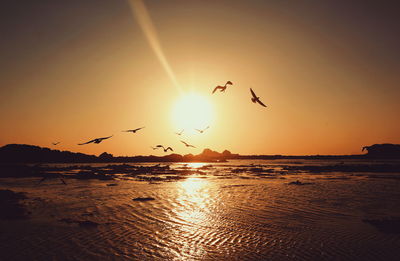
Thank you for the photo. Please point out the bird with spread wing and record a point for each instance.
(165, 149)
(256, 99)
(179, 133)
(187, 144)
(203, 130)
(222, 88)
(133, 131)
(96, 141)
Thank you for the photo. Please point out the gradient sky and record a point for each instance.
(329, 72)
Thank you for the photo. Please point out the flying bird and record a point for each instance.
(187, 145)
(255, 99)
(179, 133)
(222, 88)
(55, 143)
(154, 148)
(165, 149)
(203, 130)
(133, 131)
(97, 141)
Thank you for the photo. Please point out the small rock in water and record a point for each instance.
(87, 223)
(143, 199)
(81, 223)
(298, 182)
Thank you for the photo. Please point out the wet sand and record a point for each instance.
(240, 210)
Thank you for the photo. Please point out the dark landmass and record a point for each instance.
(383, 151)
(20, 153)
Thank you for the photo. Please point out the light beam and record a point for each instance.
(143, 18)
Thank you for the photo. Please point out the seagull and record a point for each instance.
(55, 143)
(222, 88)
(201, 131)
(165, 149)
(179, 133)
(97, 141)
(133, 131)
(256, 99)
(187, 145)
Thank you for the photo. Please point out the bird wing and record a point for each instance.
(105, 138)
(252, 93)
(184, 143)
(216, 88)
(228, 82)
(169, 148)
(261, 103)
(159, 146)
(191, 146)
(87, 142)
(199, 130)
(206, 128)
(138, 129)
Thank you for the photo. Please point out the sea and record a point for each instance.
(235, 210)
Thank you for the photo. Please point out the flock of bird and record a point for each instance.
(254, 99)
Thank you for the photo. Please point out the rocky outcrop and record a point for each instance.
(386, 150)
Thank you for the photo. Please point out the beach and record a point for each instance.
(239, 210)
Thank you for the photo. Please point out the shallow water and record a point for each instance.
(240, 210)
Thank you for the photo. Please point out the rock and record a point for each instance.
(299, 183)
(143, 199)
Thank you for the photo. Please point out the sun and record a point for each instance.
(192, 111)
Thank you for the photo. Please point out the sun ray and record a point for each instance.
(143, 18)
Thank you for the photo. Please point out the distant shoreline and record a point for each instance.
(21, 153)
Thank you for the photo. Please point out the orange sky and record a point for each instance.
(328, 72)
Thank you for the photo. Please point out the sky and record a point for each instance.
(72, 71)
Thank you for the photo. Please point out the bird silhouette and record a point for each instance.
(154, 148)
(222, 88)
(55, 143)
(179, 133)
(165, 149)
(255, 99)
(203, 130)
(187, 145)
(97, 141)
(133, 131)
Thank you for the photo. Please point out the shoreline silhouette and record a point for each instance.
(22, 153)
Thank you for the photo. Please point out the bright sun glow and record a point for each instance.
(192, 111)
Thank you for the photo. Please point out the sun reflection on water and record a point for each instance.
(193, 213)
(196, 165)
(193, 194)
